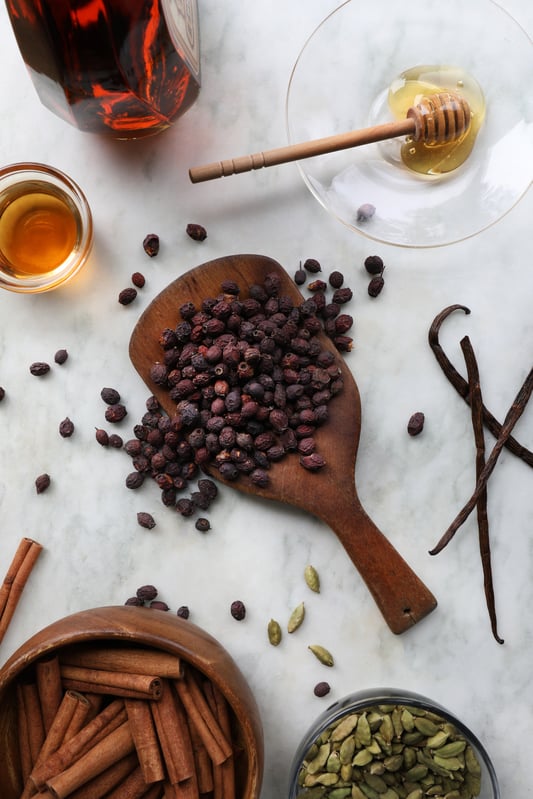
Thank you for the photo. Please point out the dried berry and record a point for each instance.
(321, 689)
(312, 265)
(202, 524)
(60, 357)
(126, 296)
(134, 601)
(138, 280)
(102, 437)
(208, 487)
(415, 424)
(336, 279)
(365, 212)
(342, 295)
(39, 368)
(110, 396)
(300, 277)
(312, 462)
(115, 413)
(158, 605)
(115, 441)
(134, 480)
(238, 610)
(374, 265)
(375, 286)
(146, 593)
(146, 520)
(66, 428)
(196, 232)
(42, 482)
(151, 244)
(2, 393)
(183, 612)
(317, 285)
(185, 506)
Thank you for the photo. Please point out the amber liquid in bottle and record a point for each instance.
(111, 66)
(38, 230)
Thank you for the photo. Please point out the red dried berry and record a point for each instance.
(238, 610)
(126, 296)
(196, 232)
(42, 482)
(102, 437)
(376, 285)
(321, 689)
(60, 357)
(415, 424)
(66, 428)
(146, 593)
(138, 280)
(374, 265)
(39, 368)
(151, 244)
(146, 520)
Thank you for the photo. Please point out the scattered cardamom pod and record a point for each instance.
(274, 632)
(312, 579)
(296, 618)
(322, 654)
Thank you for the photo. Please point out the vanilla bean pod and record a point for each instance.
(461, 385)
(476, 405)
(512, 417)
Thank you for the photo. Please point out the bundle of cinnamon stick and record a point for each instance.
(122, 722)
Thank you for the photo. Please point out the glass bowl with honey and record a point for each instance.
(46, 228)
(364, 67)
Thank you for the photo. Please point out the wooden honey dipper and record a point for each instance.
(437, 119)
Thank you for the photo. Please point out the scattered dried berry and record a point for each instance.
(110, 396)
(146, 593)
(66, 428)
(208, 487)
(238, 610)
(202, 524)
(151, 244)
(138, 280)
(115, 441)
(134, 480)
(2, 393)
(42, 482)
(60, 357)
(185, 506)
(126, 296)
(102, 437)
(146, 520)
(365, 212)
(336, 279)
(415, 424)
(321, 689)
(39, 368)
(312, 462)
(341, 296)
(312, 265)
(374, 265)
(183, 612)
(317, 285)
(376, 285)
(300, 277)
(196, 232)
(158, 605)
(115, 413)
(133, 600)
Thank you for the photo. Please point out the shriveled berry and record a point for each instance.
(134, 480)
(321, 689)
(183, 612)
(42, 482)
(185, 506)
(415, 424)
(208, 487)
(110, 396)
(60, 357)
(151, 244)
(39, 368)
(115, 413)
(342, 295)
(138, 279)
(202, 524)
(312, 265)
(300, 277)
(158, 605)
(66, 428)
(376, 285)
(146, 520)
(134, 601)
(102, 437)
(238, 610)
(196, 232)
(313, 462)
(146, 593)
(2, 393)
(115, 441)
(126, 296)
(336, 279)
(374, 265)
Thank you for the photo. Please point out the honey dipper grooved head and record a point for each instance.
(440, 118)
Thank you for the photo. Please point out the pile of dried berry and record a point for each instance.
(251, 381)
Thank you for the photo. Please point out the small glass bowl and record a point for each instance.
(360, 701)
(46, 228)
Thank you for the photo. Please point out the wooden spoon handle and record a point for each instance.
(401, 596)
(296, 152)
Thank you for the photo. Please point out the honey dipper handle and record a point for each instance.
(399, 593)
(296, 152)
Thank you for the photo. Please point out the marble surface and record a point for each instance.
(94, 551)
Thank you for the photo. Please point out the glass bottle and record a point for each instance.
(126, 68)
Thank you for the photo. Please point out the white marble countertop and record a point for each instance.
(96, 554)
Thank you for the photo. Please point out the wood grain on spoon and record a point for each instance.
(329, 494)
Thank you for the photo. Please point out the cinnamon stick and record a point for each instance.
(23, 737)
(201, 716)
(32, 709)
(125, 659)
(104, 754)
(203, 763)
(145, 737)
(15, 579)
(133, 787)
(106, 781)
(111, 682)
(224, 774)
(511, 418)
(173, 733)
(50, 689)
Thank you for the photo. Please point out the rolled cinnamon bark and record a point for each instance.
(106, 781)
(111, 682)
(173, 733)
(200, 714)
(129, 660)
(133, 787)
(223, 774)
(16, 577)
(145, 738)
(29, 696)
(48, 678)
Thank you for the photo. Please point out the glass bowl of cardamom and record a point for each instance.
(391, 744)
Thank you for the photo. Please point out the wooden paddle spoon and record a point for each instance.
(329, 494)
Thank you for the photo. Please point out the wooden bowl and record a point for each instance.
(148, 628)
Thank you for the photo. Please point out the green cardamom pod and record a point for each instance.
(438, 740)
(363, 733)
(362, 758)
(320, 760)
(347, 749)
(426, 726)
(451, 749)
(340, 793)
(296, 618)
(274, 632)
(322, 654)
(312, 579)
(344, 727)
(471, 762)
